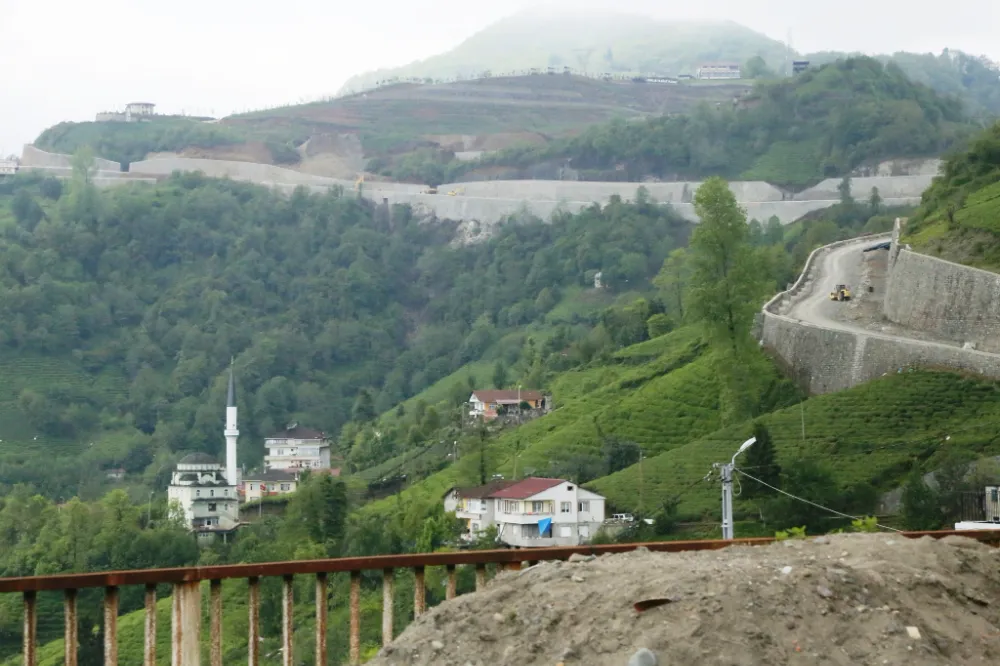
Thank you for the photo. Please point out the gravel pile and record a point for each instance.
(846, 599)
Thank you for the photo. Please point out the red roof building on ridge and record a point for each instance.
(527, 488)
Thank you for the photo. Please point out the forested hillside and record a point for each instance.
(960, 214)
(120, 309)
(792, 132)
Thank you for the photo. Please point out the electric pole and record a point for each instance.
(726, 470)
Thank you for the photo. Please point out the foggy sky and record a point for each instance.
(67, 59)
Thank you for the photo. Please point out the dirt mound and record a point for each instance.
(846, 599)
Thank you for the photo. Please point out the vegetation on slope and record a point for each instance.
(959, 217)
(791, 132)
(135, 300)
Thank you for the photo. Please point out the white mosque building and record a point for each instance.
(206, 491)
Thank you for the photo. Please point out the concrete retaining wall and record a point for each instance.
(952, 301)
(825, 360)
(33, 157)
(889, 187)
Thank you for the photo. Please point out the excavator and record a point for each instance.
(841, 293)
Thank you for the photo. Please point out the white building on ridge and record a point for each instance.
(204, 490)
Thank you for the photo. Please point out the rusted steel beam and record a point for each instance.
(253, 637)
(387, 594)
(452, 586)
(419, 592)
(302, 567)
(355, 604)
(111, 626)
(287, 615)
(215, 621)
(71, 641)
(322, 609)
(480, 576)
(30, 629)
(149, 649)
(186, 625)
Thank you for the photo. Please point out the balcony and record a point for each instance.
(187, 608)
(538, 542)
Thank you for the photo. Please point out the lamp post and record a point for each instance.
(727, 489)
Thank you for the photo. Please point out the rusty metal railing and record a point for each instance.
(186, 612)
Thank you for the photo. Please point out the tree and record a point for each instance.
(844, 189)
(364, 407)
(756, 68)
(810, 480)
(658, 324)
(499, 375)
(761, 463)
(921, 508)
(875, 201)
(672, 281)
(619, 453)
(727, 287)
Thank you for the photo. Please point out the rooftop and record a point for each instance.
(270, 475)
(295, 431)
(507, 396)
(198, 458)
(478, 492)
(527, 488)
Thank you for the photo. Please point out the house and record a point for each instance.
(135, 111)
(721, 70)
(530, 513)
(296, 447)
(269, 483)
(489, 404)
(115, 473)
(8, 167)
(799, 66)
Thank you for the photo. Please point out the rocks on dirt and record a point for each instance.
(579, 557)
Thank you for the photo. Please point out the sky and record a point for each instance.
(67, 59)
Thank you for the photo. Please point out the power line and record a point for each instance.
(818, 506)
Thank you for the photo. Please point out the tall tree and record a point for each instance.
(761, 463)
(727, 287)
(921, 508)
(499, 375)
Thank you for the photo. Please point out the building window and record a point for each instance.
(197, 493)
(251, 486)
(286, 486)
(537, 507)
(585, 506)
(212, 492)
(211, 507)
(565, 507)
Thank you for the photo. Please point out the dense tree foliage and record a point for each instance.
(333, 308)
(819, 124)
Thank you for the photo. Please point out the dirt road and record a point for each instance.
(845, 600)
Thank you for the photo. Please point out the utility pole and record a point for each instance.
(726, 470)
(802, 410)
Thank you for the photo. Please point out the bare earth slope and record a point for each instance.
(843, 599)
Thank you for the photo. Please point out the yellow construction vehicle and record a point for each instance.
(841, 293)
(457, 192)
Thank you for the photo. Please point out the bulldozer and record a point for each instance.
(841, 293)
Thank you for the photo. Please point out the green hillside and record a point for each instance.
(959, 218)
(595, 43)
(120, 310)
(793, 132)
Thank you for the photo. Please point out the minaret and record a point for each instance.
(231, 432)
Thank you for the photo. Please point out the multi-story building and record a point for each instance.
(530, 513)
(296, 447)
(719, 70)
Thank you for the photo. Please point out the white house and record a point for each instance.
(488, 404)
(530, 513)
(268, 483)
(135, 111)
(296, 447)
(203, 489)
(8, 167)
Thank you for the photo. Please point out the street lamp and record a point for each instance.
(727, 489)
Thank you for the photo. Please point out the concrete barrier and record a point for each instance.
(34, 157)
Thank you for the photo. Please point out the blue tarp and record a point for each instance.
(544, 525)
